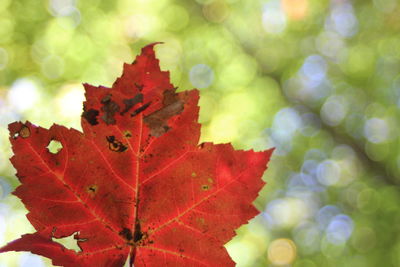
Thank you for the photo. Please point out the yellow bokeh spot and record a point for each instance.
(295, 9)
(217, 11)
(282, 251)
(176, 17)
(222, 129)
(69, 101)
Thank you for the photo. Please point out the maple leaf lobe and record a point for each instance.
(135, 182)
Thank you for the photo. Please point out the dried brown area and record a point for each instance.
(91, 116)
(130, 103)
(109, 109)
(158, 120)
(24, 132)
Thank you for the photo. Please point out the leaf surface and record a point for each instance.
(135, 183)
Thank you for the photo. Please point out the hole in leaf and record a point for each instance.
(54, 146)
(70, 242)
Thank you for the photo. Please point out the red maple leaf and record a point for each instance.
(135, 182)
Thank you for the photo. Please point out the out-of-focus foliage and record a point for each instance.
(317, 79)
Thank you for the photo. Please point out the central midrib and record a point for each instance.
(136, 200)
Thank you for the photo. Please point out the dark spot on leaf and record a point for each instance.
(130, 103)
(138, 235)
(92, 190)
(157, 121)
(54, 146)
(137, 202)
(126, 233)
(106, 98)
(53, 230)
(91, 116)
(115, 145)
(127, 134)
(205, 187)
(140, 109)
(139, 86)
(109, 109)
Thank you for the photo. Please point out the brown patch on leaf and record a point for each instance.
(131, 102)
(140, 109)
(115, 145)
(139, 86)
(139, 237)
(109, 109)
(170, 96)
(91, 116)
(18, 129)
(126, 233)
(24, 132)
(157, 121)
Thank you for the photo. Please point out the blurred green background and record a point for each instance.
(317, 79)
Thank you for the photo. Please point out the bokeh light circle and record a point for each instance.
(282, 251)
